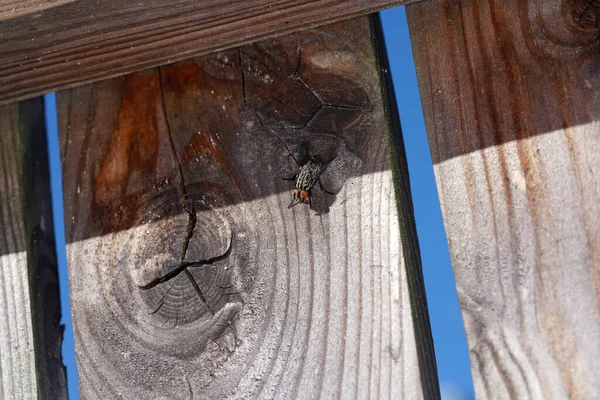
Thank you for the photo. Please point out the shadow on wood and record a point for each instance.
(497, 70)
(30, 335)
(238, 122)
(190, 276)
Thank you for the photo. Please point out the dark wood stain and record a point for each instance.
(131, 157)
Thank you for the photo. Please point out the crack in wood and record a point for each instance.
(243, 77)
(172, 143)
(189, 232)
(197, 289)
(296, 76)
(170, 275)
(162, 300)
(318, 110)
(192, 217)
(183, 267)
(261, 122)
(299, 52)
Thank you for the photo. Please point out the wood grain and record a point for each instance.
(511, 97)
(30, 335)
(190, 276)
(408, 229)
(16, 8)
(87, 40)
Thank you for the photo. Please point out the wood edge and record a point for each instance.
(408, 229)
(41, 253)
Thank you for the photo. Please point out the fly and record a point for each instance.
(305, 179)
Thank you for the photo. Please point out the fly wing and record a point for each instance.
(316, 170)
(319, 169)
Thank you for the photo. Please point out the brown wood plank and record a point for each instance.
(190, 275)
(511, 97)
(30, 335)
(16, 8)
(85, 40)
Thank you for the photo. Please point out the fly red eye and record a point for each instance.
(295, 192)
(304, 194)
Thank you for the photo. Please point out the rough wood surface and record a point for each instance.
(408, 229)
(16, 8)
(190, 276)
(30, 336)
(511, 97)
(87, 40)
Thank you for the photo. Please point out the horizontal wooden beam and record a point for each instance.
(85, 41)
(12, 9)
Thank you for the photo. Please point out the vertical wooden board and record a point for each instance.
(190, 277)
(511, 97)
(30, 335)
(16, 344)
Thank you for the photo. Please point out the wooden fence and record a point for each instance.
(190, 276)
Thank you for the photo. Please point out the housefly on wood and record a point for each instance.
(308, 174)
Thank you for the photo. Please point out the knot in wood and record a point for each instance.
(561, 30)
(585, 14)
(183, 268)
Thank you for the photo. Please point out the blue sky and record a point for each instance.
(446, 322)
(448, 333)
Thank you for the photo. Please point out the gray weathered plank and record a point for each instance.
(184, 259)
(408, 229)
(30, 336)
(511, 97)
(87, 40)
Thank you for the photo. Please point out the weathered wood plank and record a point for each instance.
(16, 8)
(511, 97)
(30, 335)
(408, 229)
(85, 41)
(184, 259)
